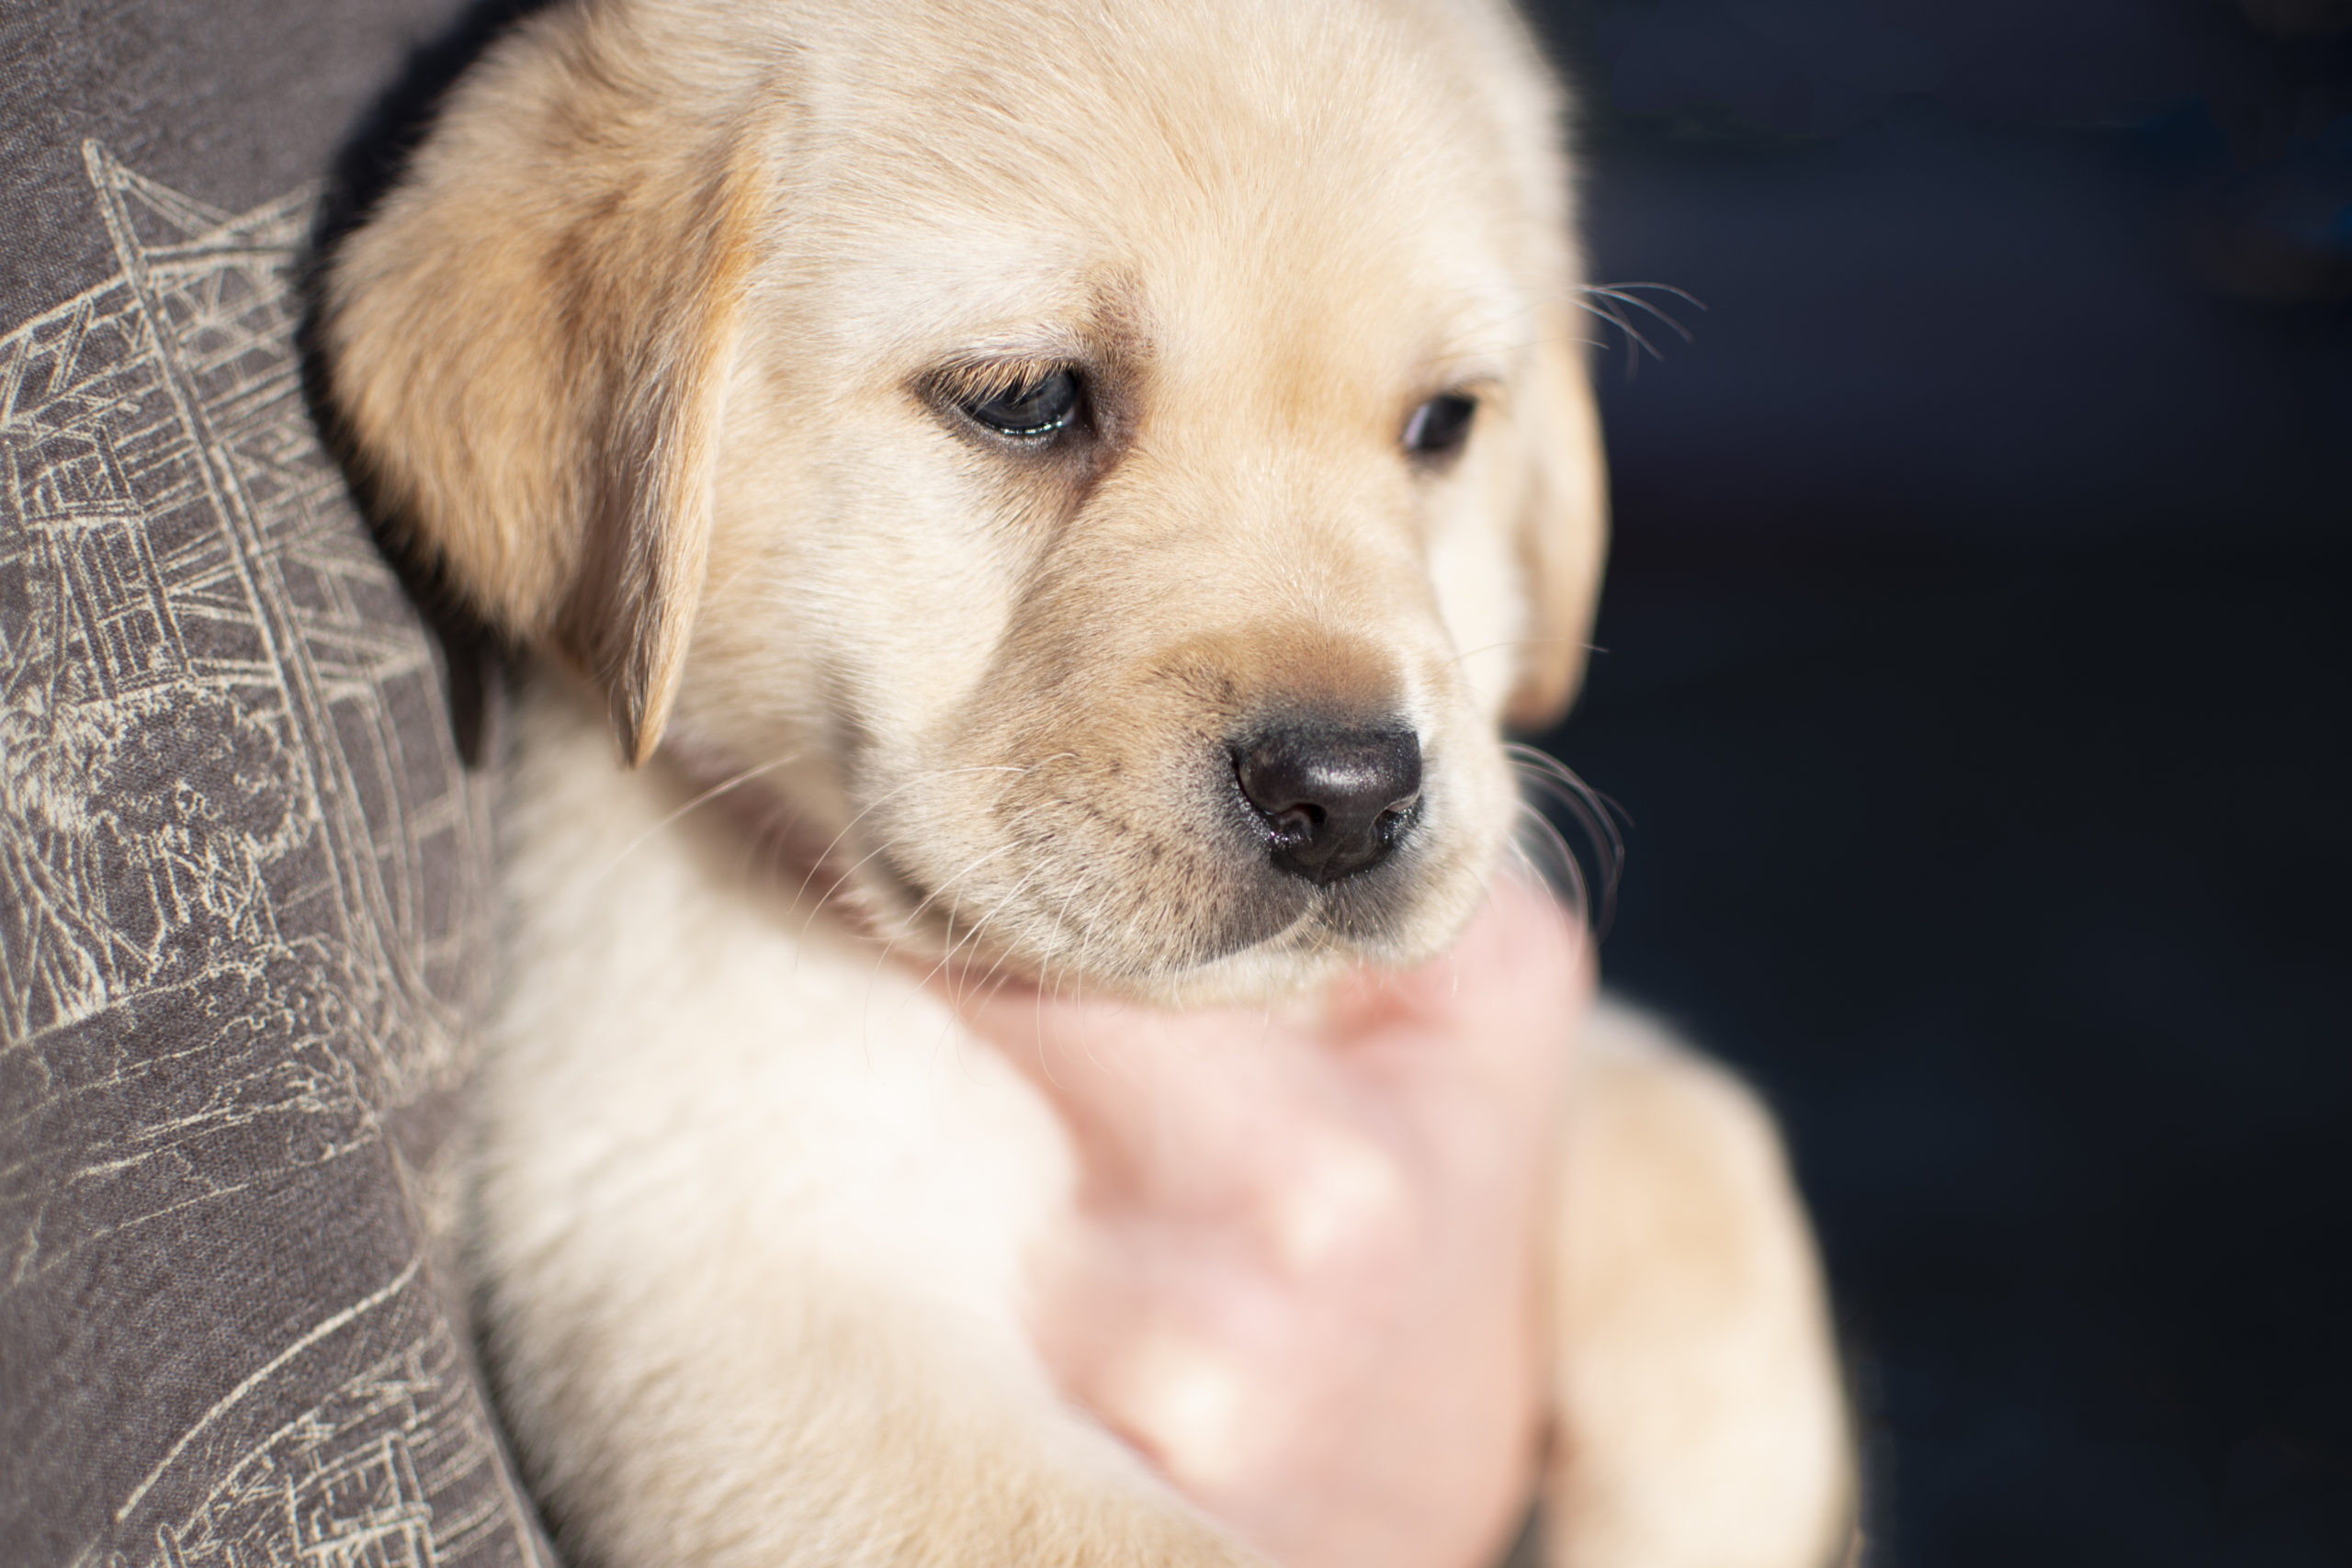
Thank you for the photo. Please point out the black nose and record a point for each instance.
(1335, 799)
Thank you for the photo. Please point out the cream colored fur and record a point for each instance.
(656, 353)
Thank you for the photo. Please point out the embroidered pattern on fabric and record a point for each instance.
(235, 842)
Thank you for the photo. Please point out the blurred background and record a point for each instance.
(1976, 687)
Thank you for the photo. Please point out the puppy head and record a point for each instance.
(1113, 474)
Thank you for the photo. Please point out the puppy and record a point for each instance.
(1073, 491)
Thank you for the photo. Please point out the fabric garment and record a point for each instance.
(245, 915)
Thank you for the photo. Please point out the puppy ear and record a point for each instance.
(528, 344)
(1563, 524)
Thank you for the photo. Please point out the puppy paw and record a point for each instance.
(1700, 1415)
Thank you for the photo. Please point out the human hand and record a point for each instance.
(1304, 1278)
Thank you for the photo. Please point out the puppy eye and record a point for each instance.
(1440, 427)
(1029, 411)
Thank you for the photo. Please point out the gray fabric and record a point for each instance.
(244, 872)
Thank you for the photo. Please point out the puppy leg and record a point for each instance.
(799, 1423)
(1701, 1421)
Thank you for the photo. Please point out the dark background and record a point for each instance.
(1977, 680)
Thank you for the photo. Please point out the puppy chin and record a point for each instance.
(1283, 937)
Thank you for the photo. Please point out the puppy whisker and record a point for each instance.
(1594, 814)
(907, 923)
(1514, 645)
(727, 785)
(1609, 300)
(960, 991)
(912, 781)
(890, 946)
(1627, 294)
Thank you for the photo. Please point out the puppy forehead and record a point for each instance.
(961, 287)
(1224, 190)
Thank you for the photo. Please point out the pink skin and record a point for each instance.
(1302, 1278)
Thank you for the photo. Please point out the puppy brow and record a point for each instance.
(1474, 365)
(1099, 335)
(1480, 381)
(981, 377)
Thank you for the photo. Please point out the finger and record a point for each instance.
(1512, 992)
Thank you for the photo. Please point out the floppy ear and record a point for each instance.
(529, 344)
(1564, 525)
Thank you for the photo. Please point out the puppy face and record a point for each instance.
(1112, 476)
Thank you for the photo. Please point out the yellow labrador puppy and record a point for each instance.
(1071, 491)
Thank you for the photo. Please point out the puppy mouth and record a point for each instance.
(1280, 916)
(1305, 841)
